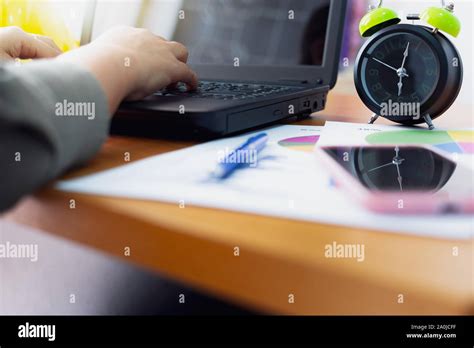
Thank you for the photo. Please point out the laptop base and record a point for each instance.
(139, 119)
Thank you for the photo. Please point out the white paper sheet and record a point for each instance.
(288, 182)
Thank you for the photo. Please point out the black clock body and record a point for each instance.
(432, 73)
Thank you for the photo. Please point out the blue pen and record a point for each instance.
(244, 155)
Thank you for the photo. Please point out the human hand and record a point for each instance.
(133, 63)
(15, 43)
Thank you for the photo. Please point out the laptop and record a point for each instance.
(259, 62)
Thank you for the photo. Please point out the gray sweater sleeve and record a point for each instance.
(53, 116)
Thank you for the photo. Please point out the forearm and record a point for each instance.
(123, 63)
(113, 72)
(25, 160)
(35, 123)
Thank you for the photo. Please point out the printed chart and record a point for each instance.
(461, 142)
(304, 144)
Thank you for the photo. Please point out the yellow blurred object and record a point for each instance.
(37, 17)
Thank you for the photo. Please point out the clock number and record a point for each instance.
(379, 55)
(415, 98)
(377, 87)
(428, 58)
(393, 46)
(417, 47)
(430, 72)
(373, 72)
(425, 88)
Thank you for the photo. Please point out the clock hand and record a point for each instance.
(388, 66)
(399, 176)
(401, 72)
(385, 165)
(397, 160)
(405, 56)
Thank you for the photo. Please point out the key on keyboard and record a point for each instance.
(227, 91)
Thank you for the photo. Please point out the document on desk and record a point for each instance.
(285, 182)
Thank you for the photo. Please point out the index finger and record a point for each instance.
(32, 47)
(185, 74)
(48, 41)
(179, 50)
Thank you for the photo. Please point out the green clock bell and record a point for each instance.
(409, 73)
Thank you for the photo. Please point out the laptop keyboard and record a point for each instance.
(227, 91)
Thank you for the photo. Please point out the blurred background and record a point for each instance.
(73, 21)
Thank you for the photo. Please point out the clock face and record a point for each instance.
(395, 169)
(399, 67)
(402, 169)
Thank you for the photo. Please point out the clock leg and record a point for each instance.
(373, 118)
(428, 121)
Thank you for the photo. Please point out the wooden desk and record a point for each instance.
(278, 257)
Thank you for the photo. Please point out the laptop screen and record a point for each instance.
(254, 32)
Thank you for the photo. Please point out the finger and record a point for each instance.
(173, 86)
(183, 73)
(179, 50)
(32, 48)
(50, 42)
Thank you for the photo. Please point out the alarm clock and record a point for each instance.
(409, 73)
